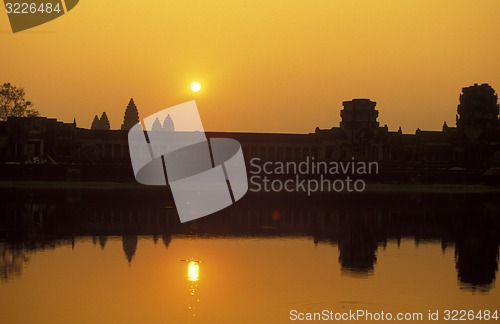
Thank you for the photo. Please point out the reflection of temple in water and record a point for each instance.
(129, 246)
(358, 225)
(476, 251)
(358, 242)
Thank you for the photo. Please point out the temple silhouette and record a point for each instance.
(470, 147)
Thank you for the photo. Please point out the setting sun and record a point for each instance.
(195, 86)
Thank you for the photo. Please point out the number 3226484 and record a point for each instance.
(32, 8)
(463, 315)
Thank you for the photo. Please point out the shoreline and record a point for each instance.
(370, 187)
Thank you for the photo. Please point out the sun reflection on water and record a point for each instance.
(193, 277)
(193, 273)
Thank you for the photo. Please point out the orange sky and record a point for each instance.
(265, 66)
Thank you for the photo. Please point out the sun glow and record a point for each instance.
(195, 86)
(193, 271)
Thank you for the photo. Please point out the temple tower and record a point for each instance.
(131, 116)
(477, 111)
(359, 116)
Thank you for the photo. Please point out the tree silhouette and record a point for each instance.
(104, 121)
(14, 104)
(156, 125)
(168, 124)
(95, 123)
(131, 116)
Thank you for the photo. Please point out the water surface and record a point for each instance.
(87, 256)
